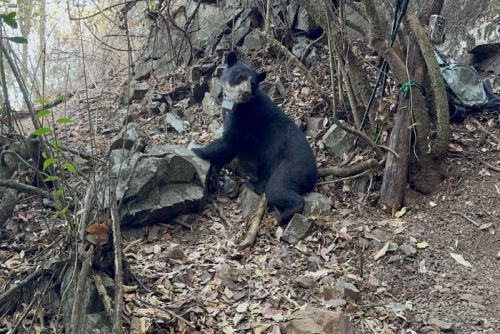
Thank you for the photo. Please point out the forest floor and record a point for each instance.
(435, 266)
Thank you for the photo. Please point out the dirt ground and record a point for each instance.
(435, 266)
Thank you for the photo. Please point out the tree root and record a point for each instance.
(24, 187)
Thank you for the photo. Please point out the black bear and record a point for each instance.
(260, 134)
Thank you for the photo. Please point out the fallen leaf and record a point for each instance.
(432, 204)
(242, 308)
(460, 259)
(382, 251)
(228, 293)
(422, 245)
(401, 212)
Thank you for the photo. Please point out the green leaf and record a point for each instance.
(45, 155)
(18, 39)
(51, 178)
(61, 98)
(64, 120)
(60, 194)
(47, 163)
(69, 167)
(2, 111)
(41, 131)
(55, 145)
(10, 19)
(42, 101)
(42, 113)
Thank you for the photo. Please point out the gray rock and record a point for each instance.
(175, 122)
(334, 303)
(157, 107)
(313, 126)
(304, 21)
(164, 203)
(210, 105)
(360, 184)
(313, 263)
(347, 290)
(442, 325)
(194, 74)
(253, 41)
(130, 136)
(337, 141)
(94, 319)
(305, 282)
(241, 27)
(408, 250)
(198, 91)
(215, 128)
(298, 228)
(318, 321)
(249, 201)
(231, 187)
(138, 90)
(215, 87)
(316, 204)
(284, 255)
(300, 49)
(280, 87)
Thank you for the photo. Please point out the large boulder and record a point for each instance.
(156, 186)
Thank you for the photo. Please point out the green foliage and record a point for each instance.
(42, 113)
(61, 98)
(48, 162)
(10, 19)
(42, 131)
(51, 178)
(69, 167)
(42, 101)
(64, 120)
(18, 39)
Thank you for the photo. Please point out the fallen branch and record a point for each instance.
(106, 300)
(23, 316)
(77, 310)
(7, 294)
(490, 166)
(254, 223)
(118, 260)
(486, 132)
(473, 222)
(24, 188)
(351, 170)
(176, 316)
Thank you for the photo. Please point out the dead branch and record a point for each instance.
(25, 313)
(496, 169)
(118, 260)
(351, 170)
(486, 132)
(470, 220)
(77, 310)
(7, 294)
(106, 300)
(254, 223)
(24, 188)
(176, 316)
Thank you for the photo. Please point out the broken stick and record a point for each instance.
(254, 223)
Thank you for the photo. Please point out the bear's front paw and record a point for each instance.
(212, 181)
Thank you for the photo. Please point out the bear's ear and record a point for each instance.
(231, 59)
(261, 76)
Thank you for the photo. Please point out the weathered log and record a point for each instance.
(351, 170)
(396, 166)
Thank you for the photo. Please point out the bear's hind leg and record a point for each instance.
(280, 194)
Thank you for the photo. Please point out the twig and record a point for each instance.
(25, 313)
(176, 316)
(106, 300)
(496, 169)
(343, 178)
(486, 132)
(254, 223)
(476, 224)
(351, 170)
(6, 295)
(24, 187)
(77, 310)
(81, 154)
(117, 248)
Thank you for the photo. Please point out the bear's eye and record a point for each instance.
(240, 78)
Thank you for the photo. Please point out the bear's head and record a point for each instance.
(240, 81)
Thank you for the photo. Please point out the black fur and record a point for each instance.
(259, 133)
